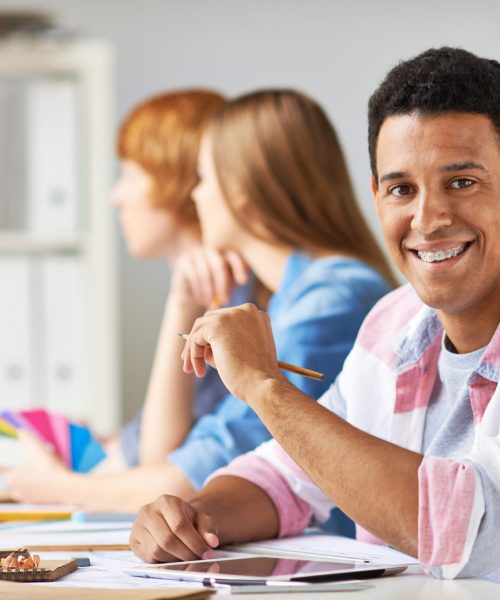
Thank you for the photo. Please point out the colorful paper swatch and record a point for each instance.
(73, 443)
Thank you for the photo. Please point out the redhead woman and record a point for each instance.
(157, 144)
(274, 194)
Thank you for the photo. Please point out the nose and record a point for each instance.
(195, 192)
(432, 212)
(115, 196)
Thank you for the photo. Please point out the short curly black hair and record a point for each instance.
(439, 80)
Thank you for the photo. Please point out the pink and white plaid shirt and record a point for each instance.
(384, 389)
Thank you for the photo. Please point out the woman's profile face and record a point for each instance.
(218, 225)
(148, 231)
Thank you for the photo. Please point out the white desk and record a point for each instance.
(414, 584)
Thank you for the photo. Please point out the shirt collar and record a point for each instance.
(420, 332)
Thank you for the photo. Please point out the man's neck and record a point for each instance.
(467, 333)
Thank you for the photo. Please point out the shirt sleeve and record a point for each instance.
(296, 498)
(129, 440)
(459, 512)
(315, 319)
(217, 438)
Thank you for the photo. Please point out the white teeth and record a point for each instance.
(440, 254)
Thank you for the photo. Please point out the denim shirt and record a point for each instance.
(315, 316)
(208, 391)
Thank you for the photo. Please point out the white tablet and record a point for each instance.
(264, 569)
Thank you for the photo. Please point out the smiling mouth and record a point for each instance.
(441, 255)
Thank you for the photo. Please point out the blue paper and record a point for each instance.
(92, 455)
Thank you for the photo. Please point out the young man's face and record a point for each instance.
(438, 200)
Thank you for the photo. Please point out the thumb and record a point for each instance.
(207, 530)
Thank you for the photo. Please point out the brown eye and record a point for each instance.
(400, 190)
(461, 183)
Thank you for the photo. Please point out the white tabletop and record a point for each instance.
(412, 585)
(107, 571)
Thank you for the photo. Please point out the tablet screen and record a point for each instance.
(263, 568)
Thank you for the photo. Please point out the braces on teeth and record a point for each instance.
(439, 255)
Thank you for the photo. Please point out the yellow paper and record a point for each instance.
(7, 429)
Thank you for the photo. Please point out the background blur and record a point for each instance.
(335, 51)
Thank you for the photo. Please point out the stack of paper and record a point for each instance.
(327, 547)
(67, 535)
(73, 443)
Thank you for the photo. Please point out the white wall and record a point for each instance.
(337, 51)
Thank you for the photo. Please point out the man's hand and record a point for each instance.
(170, 529)
(239, 343)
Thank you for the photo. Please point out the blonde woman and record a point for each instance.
(274, 191)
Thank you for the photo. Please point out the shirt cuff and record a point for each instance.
(294, 513)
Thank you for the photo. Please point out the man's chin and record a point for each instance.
(443, 299)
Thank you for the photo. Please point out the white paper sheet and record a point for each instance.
(91, 537)
(327, 547)
(107, 571)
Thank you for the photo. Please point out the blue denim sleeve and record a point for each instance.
(234, 428)
(129, 440)
(315, 322)
(217, 438)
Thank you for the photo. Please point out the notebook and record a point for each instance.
(48, 570)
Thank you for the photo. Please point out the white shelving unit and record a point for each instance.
(58, 277)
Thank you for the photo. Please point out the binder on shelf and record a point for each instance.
(12, 154)
(65, 342)
(16, 327)
(52, 161)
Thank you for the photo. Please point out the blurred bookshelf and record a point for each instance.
(58, 277)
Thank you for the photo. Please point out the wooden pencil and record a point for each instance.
(285, 366)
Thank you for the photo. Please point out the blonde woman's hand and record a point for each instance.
(205, 276)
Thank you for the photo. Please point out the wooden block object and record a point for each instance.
(48, 570)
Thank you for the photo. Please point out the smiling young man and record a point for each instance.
(407, 440)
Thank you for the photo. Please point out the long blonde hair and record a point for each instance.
(280, 149)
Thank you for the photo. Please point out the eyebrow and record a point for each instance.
(462, 166)
(393, 175)
(459, 166)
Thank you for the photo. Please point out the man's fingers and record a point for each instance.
(145, 547)
(209, 357)
(180, 521)
(165, 531)
(207, 530)
(194, 350)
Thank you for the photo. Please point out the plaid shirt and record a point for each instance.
(384, 389)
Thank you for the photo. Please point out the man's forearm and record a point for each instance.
(241, 510)
(373, 481)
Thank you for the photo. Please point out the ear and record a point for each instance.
(374, 188)
(240, 201)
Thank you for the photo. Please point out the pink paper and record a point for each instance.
(39, 422)
(62, 441)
